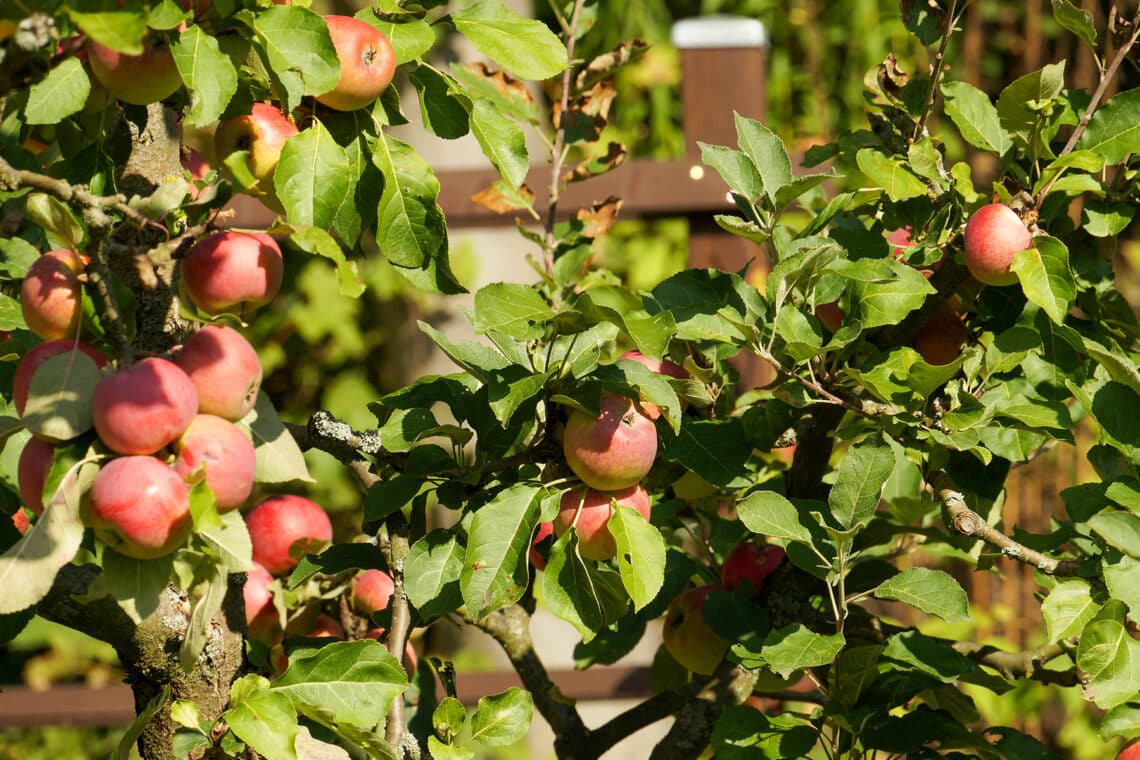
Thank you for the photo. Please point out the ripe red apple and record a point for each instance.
(139, 507)
(994, 235)
(195, 163)
(830, 315)
(31, 474)
(372, 592)
(233, 272)
(281, 521)
(367, 63)
(612, 451)
(51, 296)
(260, 614)
(941, 339)
(1131, 751)
(661, 367)
(224, 367)
(594, 538)
(262, 133)
(34, 359)
(750, 561)
(141, 409)
(544, 529)
(326, 628)
(687, 634)
(138, 79)
(226, 455)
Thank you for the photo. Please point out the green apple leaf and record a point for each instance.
(119, 30)
(136, 584)
(976, 117)
(443, 108)
(523, 46)
(512, 309)
(792, 648)
(1077, 20)
(410, 37)
(58, 95)
(744, 733)
(207, 72)
(54, 216)
(891, 174)
(1020, 107)
(640, 555)
(1120, 574)
(229, 541)
(717, 450)
(317, 241)
(1109, 659)
(862, 473)
(279, 458)
(1122, 720)
(770, 514)
(298, 51)
(432, 572)
(1045, 277)
(586, 594)
(59, 398)
(1068, 607)
(28, 568)
(502, 141)
(887, 303)
(502, 719)
(263, 718)
(932, 591)
(206, 599)
(1114, 129)
(735, 168)
(494, 573)
(509, 94)
(1119, 529)
(313, 177)
(766, 152)
(354, 682)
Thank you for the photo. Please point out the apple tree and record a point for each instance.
(929, 330)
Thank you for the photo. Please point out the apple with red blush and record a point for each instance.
(372, 592)
(282, 528)
(614, 450)
(144, 407)
(687, 635)
(589, 512)
(367, 63)
(51, 295)
(260, 613)
(941, 340)
(261, 134)
(140, 79)
(233, 272)
(32, 471)
(545, 530)
(750, 561)
(220, 452)
(139, 506)
(225, 370)
(994, 235)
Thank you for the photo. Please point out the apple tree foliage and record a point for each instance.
(897, 480)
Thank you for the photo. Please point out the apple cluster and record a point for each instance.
(610, 454)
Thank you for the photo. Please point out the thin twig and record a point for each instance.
(1098, 95)
(99, 280)
(936, 71)
(558, 151)
(397, 550)
(967, 522)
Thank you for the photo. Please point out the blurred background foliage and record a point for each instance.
(323, 351)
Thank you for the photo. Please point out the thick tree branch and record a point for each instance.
(689, 736)
(1018, 665)
(967, 522)
(645, 713)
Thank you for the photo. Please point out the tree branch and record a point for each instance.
(936, 71)
(510, 627)
(99, 278)
(1017, 665)
(689, 736)
(639, 716)
(967, 522)
(397, 551)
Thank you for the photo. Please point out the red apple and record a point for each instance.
(941, 339)
(327, 628)
(593, 510)
(260, 613)
(367, 63)
(34, 359)
(261, 133)
(141, 409)
(544, 529)
(224, 367)
(994, 235)
(278, 523)
(138, 79)
(51, 296)
(830, 315)
(139, 507)
(372, 592)
(35, 463)
(233, 272)
(225, 454)
(687, 634)
(1131, 751)
(612, 451)
(752, 562)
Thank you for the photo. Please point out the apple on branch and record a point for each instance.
(750, 561)
(372, 592)
(224, 368)
(260, 613)
(994, 235)
(589, 512)
(688, 636)
(261, 134)
(660, 367)
(537, 558)
(614, 450)
(220, 452)
(233, 272)
(367, 63)
(137, 79)
(51, 295)
(941, 339)
(144, 407)
(32, 471)
(278, 523)
(139, 506)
